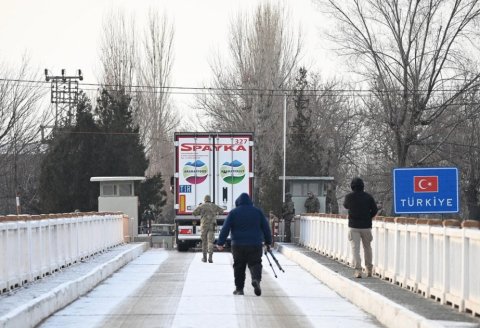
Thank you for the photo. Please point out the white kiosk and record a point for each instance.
(299, 186)
(117, 194)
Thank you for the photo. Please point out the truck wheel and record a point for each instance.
(182, 247)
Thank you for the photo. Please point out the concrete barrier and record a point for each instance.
(34, 246)
(435, 258)
(387, 312)
(40, 308)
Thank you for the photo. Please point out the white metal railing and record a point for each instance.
(32, 247)
(439, 259)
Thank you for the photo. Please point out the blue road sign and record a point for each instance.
(425, 190)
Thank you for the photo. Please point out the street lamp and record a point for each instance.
(284, 143)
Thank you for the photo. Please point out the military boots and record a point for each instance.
(204, 258)
(210, 260)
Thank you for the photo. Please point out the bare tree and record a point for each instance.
(143, 71)
(20, 120)
(337, 123)
(462, 150)
(339, 127)
(411, 55)
(118, 51)
(263, 56)
(155, 113)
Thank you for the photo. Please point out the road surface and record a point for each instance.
(170, 289)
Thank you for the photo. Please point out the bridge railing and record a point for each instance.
(32, 247)
(438, 259)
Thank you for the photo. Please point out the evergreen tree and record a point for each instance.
(152, 195)
(107, 146)
(70, 161)
(273, 202)
(53, 189)
(123, 153)
(86, 133)
(303, 155)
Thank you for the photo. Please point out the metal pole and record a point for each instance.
(284, 143)
(17, 199)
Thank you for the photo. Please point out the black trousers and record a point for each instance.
(243, 256)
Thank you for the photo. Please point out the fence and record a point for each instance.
(32, 247)
(277, 227)
(438, 259)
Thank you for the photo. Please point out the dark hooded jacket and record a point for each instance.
(246, 223)
(361, 206)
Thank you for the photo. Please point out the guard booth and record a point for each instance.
(163, 235)
(117, 194)
(299, 186)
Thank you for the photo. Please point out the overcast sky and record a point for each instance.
(66, 34)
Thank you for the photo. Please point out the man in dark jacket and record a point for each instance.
(249, 229)
(361, 209)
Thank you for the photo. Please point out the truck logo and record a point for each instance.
(210, 147)
(195, 172)
(233, 172)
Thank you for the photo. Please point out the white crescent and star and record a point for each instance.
(422, 186)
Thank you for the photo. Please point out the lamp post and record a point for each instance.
(284, 143)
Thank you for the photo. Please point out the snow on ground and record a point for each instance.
(170, 289)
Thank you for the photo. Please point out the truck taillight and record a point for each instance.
(185, 231)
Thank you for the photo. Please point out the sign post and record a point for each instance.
(425, 190)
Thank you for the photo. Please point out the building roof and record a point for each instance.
(293, 178)
(96, 179)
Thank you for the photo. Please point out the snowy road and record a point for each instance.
(170, 289)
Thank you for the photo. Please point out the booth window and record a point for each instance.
(296, 189)
(117, 189)
(313, 187)
(109, 190)
(125, 189)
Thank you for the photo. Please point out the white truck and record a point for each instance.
(208, 163)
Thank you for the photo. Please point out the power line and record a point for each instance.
(184, 90)
(98, 132)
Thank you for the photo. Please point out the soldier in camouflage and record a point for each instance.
(288, 212)
(208, 212)
(312, 204)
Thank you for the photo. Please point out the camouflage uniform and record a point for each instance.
(312, 204)
(208, 212)
(288, 211)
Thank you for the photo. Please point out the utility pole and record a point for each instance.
(64, 94)
(284, 144)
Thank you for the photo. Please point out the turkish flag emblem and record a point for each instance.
(425, 184)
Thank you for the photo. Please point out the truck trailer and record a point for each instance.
(217, 164)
